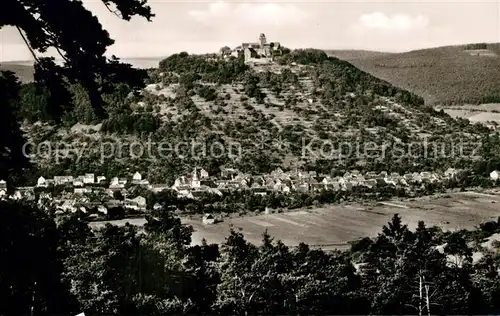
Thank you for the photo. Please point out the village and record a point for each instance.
(96, 195)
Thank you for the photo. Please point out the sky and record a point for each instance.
(205, 26)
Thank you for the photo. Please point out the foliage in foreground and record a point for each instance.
(117, 270)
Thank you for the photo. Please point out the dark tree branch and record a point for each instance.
(27, 44)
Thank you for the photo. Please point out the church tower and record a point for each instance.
(195, 180)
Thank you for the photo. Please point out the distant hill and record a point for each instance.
(349, 54)
(24, 69)
(466, 74)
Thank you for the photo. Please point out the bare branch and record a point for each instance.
(27, 44)
(115, 12)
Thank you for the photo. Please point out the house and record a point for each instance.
(203, 174)
(100, 179)
(102, 209)
(370, 183)
(181, 181)
(78, 182)
(494, 175)
(450, 173)
(229, 173)
(356, 173)
(403, 182)
(277, 172)
(428, 176)
(41, 182)
(24, 193)
(17, 195)
(117, 183)
(282, 188)
(390, 181)
(82, 190)
(259, 190)
(242, 183)
(416, 177)
(302, 187)
(136, 178)
(408, 177)
(44, 197)
(317, 186)
(67, 206)
(208, 219)
(395, 175)
(61, 180)
(195, 179)
(182, 190)
(3, 189)
(214, 191)
(140, 201)
(356, 181)
(335, 186)
(158, 187)
(327, 180)
(88, 178)
(112, 203)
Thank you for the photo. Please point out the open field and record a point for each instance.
(333, 226)
(489, 112)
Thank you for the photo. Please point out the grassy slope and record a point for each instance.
(444, 75)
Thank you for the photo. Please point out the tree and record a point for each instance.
(34, 102)
(80, 40)
(12, 159)
(238, 286)
(117, 195)
(31, 269)
(103, 272)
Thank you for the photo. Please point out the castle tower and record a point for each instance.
(262, 40)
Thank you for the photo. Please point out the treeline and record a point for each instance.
(63, 267)
(244, 201)
(141, 123)
(209, 69)
(476, 46)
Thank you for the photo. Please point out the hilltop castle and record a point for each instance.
(257, 52)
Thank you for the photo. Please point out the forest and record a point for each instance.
(121, 271)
